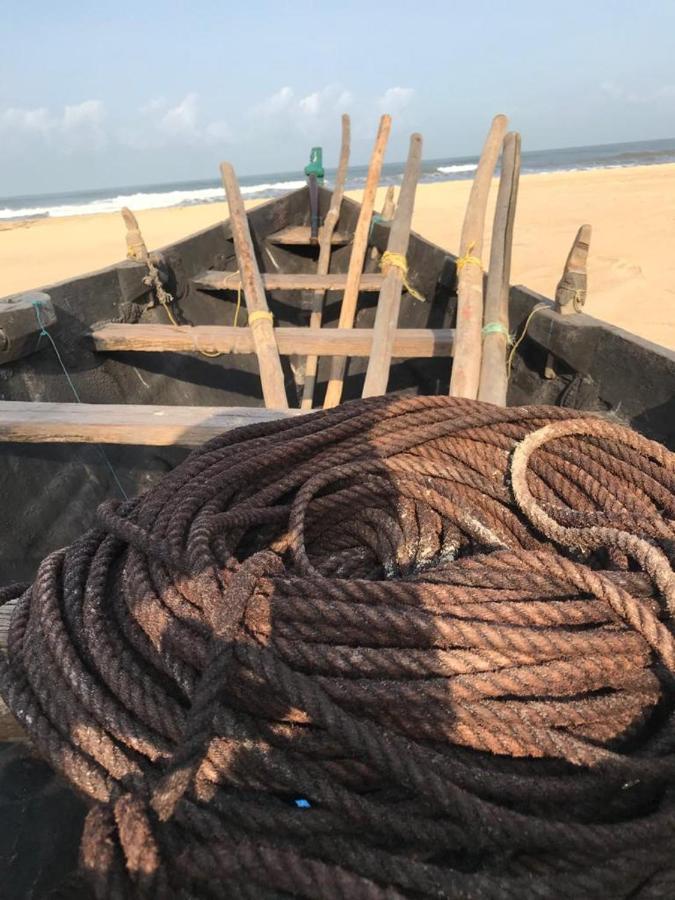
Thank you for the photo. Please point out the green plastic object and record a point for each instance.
(315, 165)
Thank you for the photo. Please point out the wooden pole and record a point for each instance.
(259, 316)
(386, 215)
(136, 248)
(493, 375)
(570, 294)
(466, 365)
(325, 246)
(359, 247)
(389, 302)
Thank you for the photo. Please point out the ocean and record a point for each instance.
(187, 193)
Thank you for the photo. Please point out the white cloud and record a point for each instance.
(395, 99)
(274, 104)
(35, 120)
(182, 118)
(310, 104)
(89, 112)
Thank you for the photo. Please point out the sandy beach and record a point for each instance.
(631, 265)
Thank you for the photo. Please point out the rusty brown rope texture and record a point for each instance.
(403, 648)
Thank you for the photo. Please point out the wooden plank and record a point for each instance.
(10, 730)
(103, 423)
(465, 375)
(259, 316)
(214, 280)
(21, 318)
(300, 236)
(493, 374)
(357, 259)
(420, 343)
(389, 303)
(325, 244)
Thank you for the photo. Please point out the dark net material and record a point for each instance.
(405, 648)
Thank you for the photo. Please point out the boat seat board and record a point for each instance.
(214, 280)
(105, 423)
(408, 343)
(299, 235)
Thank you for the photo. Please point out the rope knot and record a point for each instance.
(468, 259)
(398, 261)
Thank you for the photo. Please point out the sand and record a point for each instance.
(631, 264)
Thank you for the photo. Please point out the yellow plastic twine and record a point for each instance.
(399, 261)
(516, 344)
(258, 314)
(468, 259)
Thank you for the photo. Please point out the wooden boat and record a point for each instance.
(150, 389)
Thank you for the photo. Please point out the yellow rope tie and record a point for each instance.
(225, 287)
(259, 314)
(516, 344)
(399, 261)
(468, 259)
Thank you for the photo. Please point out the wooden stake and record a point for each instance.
(259, 316)
(389, 303)
(466, 366)
(359, 247)
(570, 294)
(386, 215)
(493, 375)
(136, 247)
(325, 246)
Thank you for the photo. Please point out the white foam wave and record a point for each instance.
(452, 170)
(159, 200)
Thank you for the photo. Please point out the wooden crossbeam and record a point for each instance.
(408, 343)
(214, 280)
(104, 423)
(299, 236)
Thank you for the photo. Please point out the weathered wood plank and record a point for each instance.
(21, 318)
(465, 374)
(299, 235)
(323, 265)
(214, 280)
(420, 343)
(104, 423)
(493, 374)
(338, 365)
(259, 316)
(389, 302)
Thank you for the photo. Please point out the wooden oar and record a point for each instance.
(493, 376)
(325, 246)
(466, 365)
(359, 248)
(389, 303)
(259, 317)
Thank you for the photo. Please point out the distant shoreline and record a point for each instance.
(631, 267)
(262, 187)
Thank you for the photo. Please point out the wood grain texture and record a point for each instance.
(271, 373)
(465, 375)
(103, 423)
(300, 236)
(419, 343)
(389, 302)
(493, 375)
(213, 280)
(323, 265)
(357, 259)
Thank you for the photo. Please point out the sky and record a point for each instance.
(103, 94)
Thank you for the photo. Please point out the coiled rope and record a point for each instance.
(402, 648)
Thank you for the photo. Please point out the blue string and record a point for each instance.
(43, 331)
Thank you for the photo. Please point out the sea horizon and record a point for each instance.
(274, 184)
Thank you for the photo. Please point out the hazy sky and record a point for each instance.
(120, 93)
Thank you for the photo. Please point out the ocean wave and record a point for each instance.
(452, 170)
(145, 200)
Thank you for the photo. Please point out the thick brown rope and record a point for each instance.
(404, 648)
